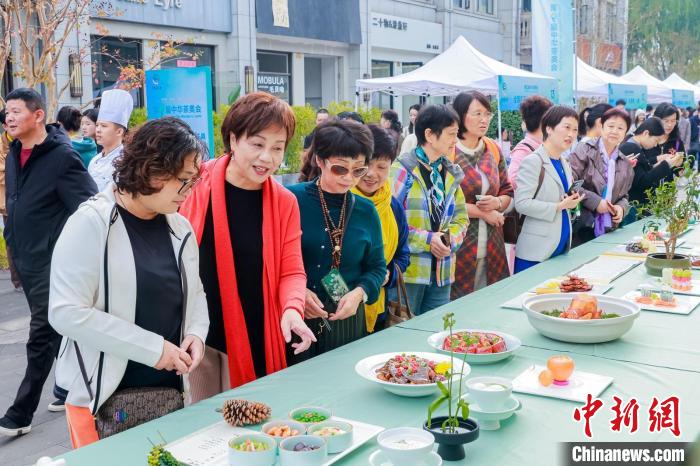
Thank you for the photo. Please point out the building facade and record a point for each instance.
(304, 51)
(601, 33)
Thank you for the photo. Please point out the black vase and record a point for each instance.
(451, 445)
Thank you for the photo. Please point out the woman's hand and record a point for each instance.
(313, 307)
(348, 304)
(292, 322)
(618, 214)
(603, 207)
(488, 203)
(493, 218)
(437, 248)
(570, 202)
(193, 346)
(173, 359)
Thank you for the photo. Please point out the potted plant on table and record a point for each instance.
(673, 203)
(453, 431)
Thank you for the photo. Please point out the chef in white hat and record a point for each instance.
(112, 121)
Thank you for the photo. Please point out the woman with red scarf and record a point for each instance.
(255, 289)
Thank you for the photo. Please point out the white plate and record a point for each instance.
(368, 366)
(694, 291)
(491, 420)
(600, 288)
(580, 385)
(209, 446)
(580, 331)
(512, 344)
(605, 269)
(686, 304)
(620, 250)
(378, 458)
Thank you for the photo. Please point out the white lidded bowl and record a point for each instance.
(406, 446)
(580, 331)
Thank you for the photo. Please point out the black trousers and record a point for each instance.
(42, 346)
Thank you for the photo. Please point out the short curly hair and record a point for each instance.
(154, 151)
(254, 112)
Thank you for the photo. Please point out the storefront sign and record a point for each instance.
(275, 84)
(184, 93)
(635, 95)
(187, 14)
(683, 99)
(513, 90)
(394, 32)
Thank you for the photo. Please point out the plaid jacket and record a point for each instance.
(410, 189)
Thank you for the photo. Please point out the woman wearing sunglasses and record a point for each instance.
(427, 184)
(255, 288)
(125, 288)
(342, 237)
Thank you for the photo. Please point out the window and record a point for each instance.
(274, 74)
(527, 5)
(485, 6)
(464, 4)
(382, 69)
(583, 19)
(610, 22)
(191, 56)
(109, 56)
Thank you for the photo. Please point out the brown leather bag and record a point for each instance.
(400, 310)
(513, 222)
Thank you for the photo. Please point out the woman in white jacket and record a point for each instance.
(125, 288)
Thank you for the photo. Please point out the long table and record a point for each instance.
(659, 357)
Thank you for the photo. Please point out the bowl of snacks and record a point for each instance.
(282, 429)
(480, 346)
(581, 318)
(411, 374)
(304, 450)
(252, 450)
(309, 415)
(338, 434)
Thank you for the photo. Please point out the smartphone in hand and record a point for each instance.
(445, 238)
(575, 187)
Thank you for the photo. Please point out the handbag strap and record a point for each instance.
(540, 180)
(401, 290)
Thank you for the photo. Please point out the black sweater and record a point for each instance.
(646, 175)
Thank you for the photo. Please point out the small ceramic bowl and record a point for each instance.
(293, 425)
(252, 458)
(323, 412)
(338, 442)
(481, 390)
(290, 457)
(407, 446)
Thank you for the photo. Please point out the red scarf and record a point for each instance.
(284, 279)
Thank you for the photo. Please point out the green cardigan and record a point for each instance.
(362, 263)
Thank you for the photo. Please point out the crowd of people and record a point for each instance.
(145, 267)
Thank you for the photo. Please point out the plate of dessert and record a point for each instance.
(411, 374)
(662, 300)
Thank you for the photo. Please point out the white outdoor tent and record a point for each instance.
(459, 68)
(657, 90)
(676, 82)
(592, 82)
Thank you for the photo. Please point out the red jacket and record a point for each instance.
(284, 279)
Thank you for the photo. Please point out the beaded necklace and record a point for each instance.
(336, 234)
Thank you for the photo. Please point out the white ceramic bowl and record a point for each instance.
(294, 425)
(580, 331)
(391, 443)
(490, 400)
(289, 457)
(367, 369)
(252, 458)
(336, 443)
(512, 344)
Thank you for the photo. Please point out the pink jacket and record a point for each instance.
(518, 153)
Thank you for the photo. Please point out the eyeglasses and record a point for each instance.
(669, 121)
(481, 115)
(188, 184)
(339, 170)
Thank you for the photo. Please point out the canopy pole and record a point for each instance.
(357, 98)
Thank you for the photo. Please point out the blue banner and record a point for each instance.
(553, 44)
(512, 90)
(184, 93)
(635, 95)
(683, 99)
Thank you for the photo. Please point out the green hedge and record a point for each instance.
(510, 120)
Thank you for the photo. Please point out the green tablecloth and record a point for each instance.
(659, 357)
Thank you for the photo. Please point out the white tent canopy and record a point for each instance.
(676, 82)
(459, 68)
(592, 82)
(657, 90)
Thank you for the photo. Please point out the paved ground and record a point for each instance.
(49, 435)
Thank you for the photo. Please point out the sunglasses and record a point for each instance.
(340, 170)
(187, 185)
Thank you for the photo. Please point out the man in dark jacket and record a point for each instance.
(45, 183)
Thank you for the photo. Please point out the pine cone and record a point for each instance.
(242, 412)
